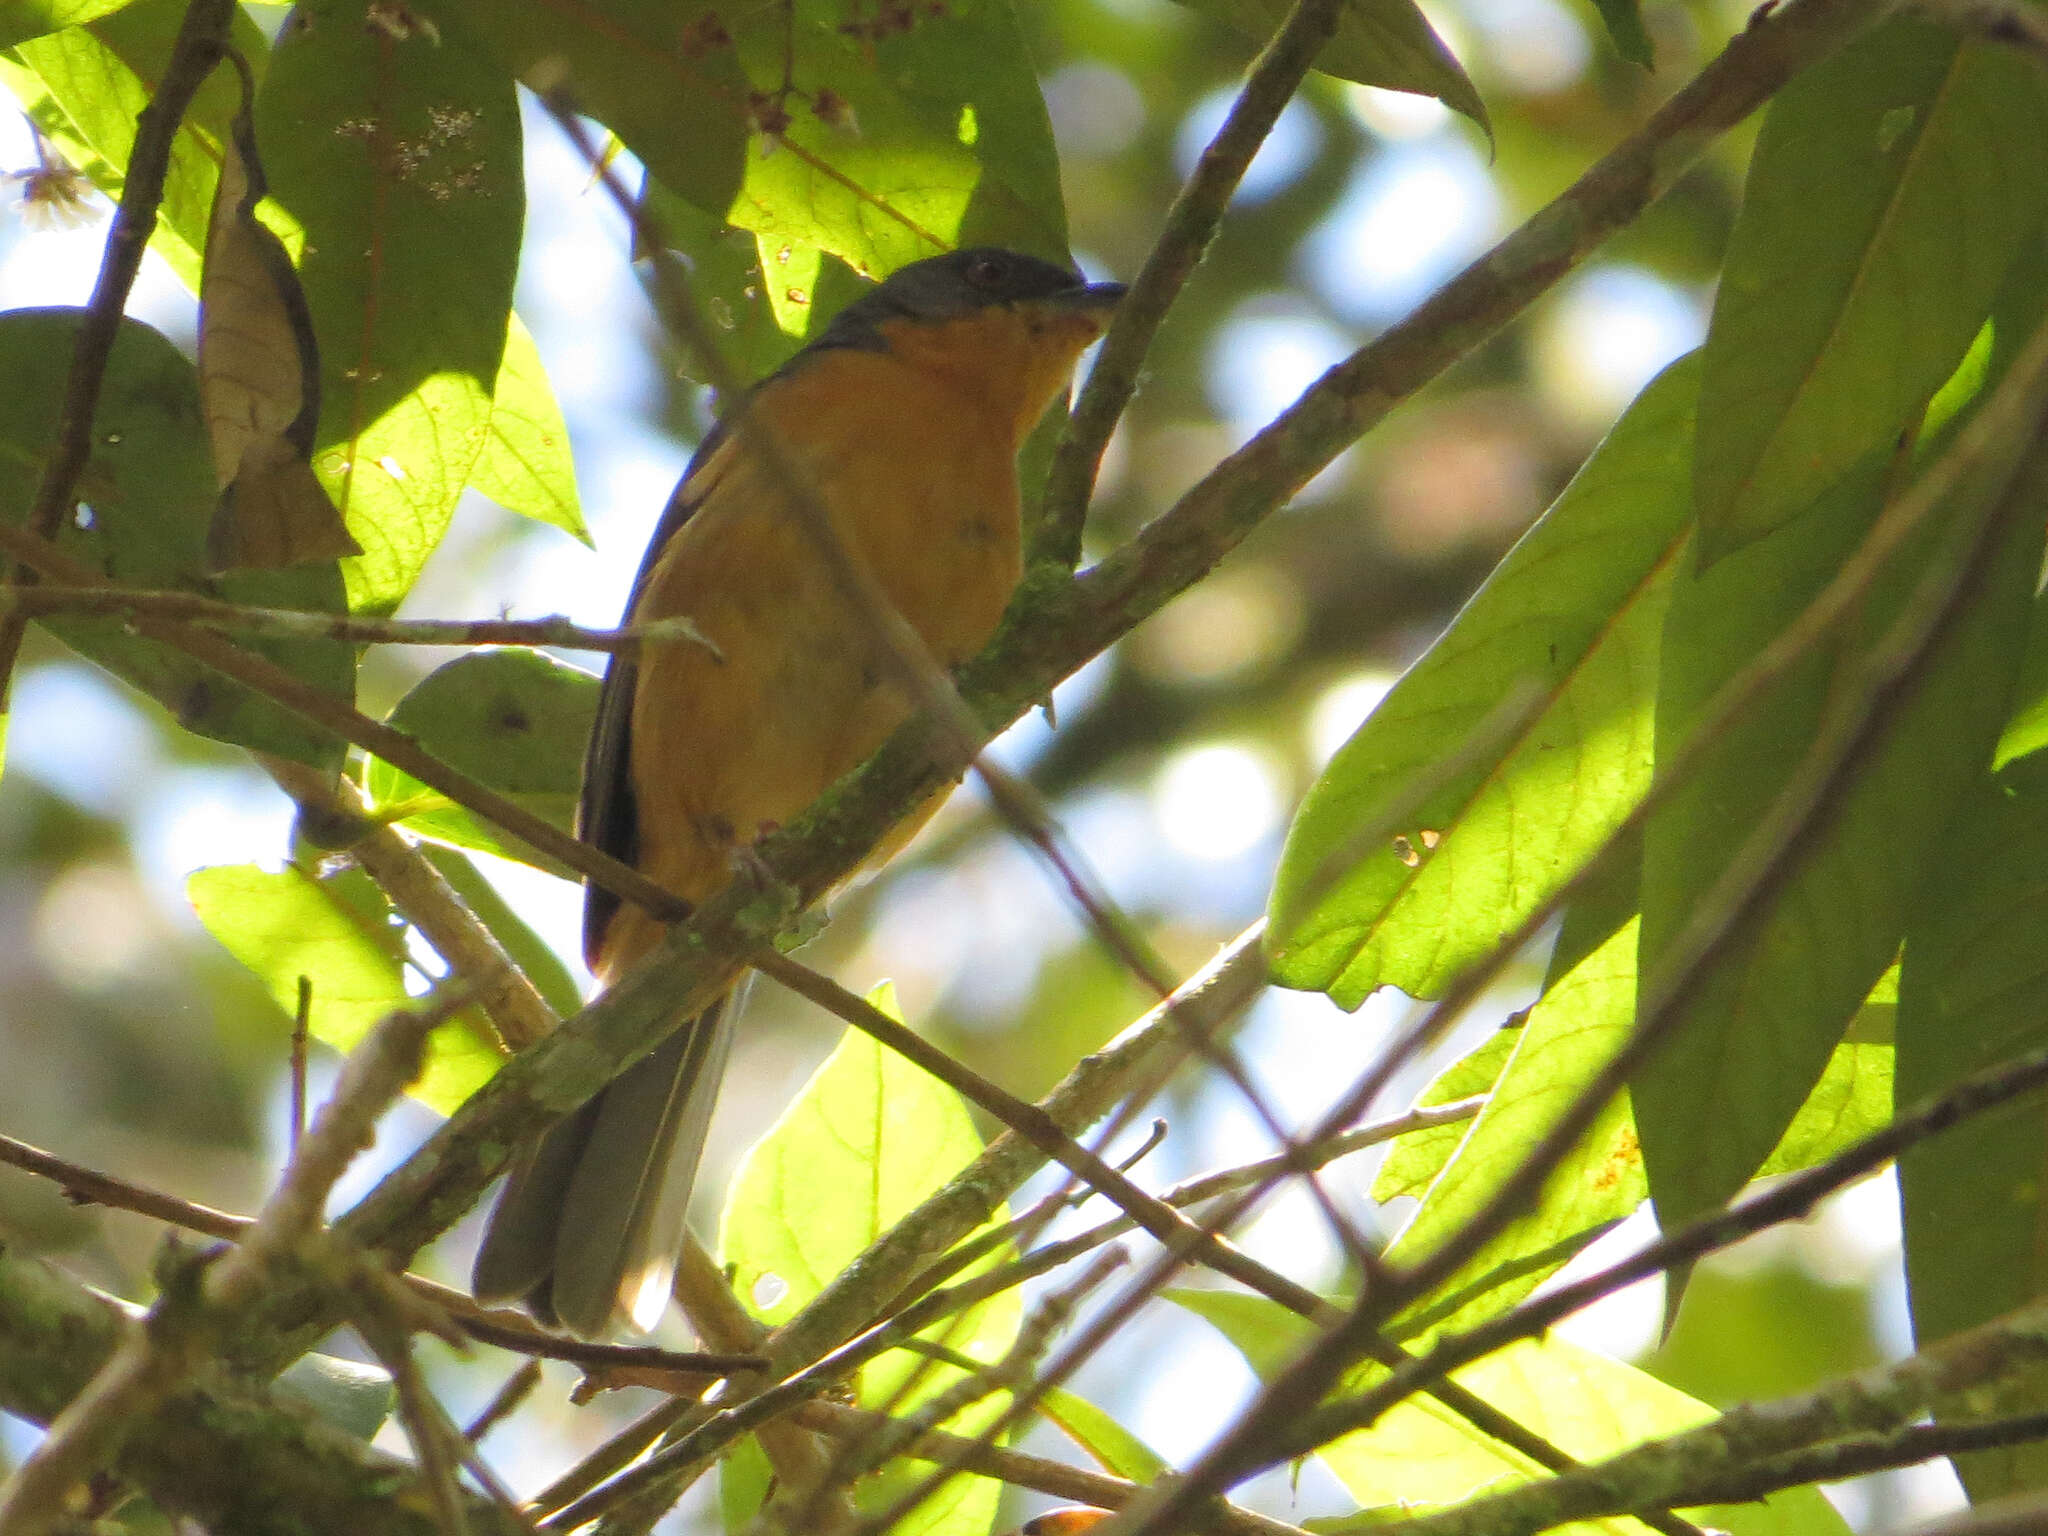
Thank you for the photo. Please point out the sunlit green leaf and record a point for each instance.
(24, 19)
(287, 924)
(1422, 1455)
(1830, 331)
(1573, 615)
(394, 159)
(1583, 1018)
(525, 466)
(868, 1137)
(1116, 1448)
(1413, 1161)
(149, 490)
(939, 138)
(513, 719)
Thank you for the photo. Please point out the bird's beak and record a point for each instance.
(1090, 296)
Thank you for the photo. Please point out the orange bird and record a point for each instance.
(906, 415)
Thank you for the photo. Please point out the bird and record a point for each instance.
(905, 416)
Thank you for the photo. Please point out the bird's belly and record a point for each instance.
(727, 747)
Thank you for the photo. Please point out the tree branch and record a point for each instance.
(315, 624)
(223, 1453)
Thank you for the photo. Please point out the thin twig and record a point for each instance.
(1189, 226)
(1787, 1200)
(349, 724)
(505, 1402)
(158, 1353)
(507, 996)
(302, 1034)
(41, 601)
(866, 1453)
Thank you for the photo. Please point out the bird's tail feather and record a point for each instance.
(591, 1220)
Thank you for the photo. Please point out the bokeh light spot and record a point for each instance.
(1216, 801)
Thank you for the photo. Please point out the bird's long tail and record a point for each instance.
(591, 1219)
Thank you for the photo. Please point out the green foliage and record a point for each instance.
(337, 933)
(868, 1137)
(149, 490)
(1828, 335)
(1970, 996)
(394, 161)
(1884, 270)
(1758, 1027)
(1568, 624)
(1422, 1455)
(513, 719)
(525, 465)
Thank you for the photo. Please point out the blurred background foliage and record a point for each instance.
(134, 1043)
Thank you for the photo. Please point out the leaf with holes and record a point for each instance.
(394, 165)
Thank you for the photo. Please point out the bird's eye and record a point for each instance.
(986, 271)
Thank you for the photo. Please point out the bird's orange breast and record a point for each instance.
(920, 481)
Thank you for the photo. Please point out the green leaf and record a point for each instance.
(947, 143)
(149, 487)
(1624, 22)
(867, 1138)
(661, 74)
(1759, 1024)
(353, 1397)
(24, 19)
(85, 85)
(394, 165)
(1117, 1450)
(1413, 1161)
(511, 718)
(1974, 993)
(1567, 1038)
(1828, 335)
(1583, 1018)
(286, 925)
(1422, 1455)
(1574, 613)
(1387, 43)
(525, 466)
